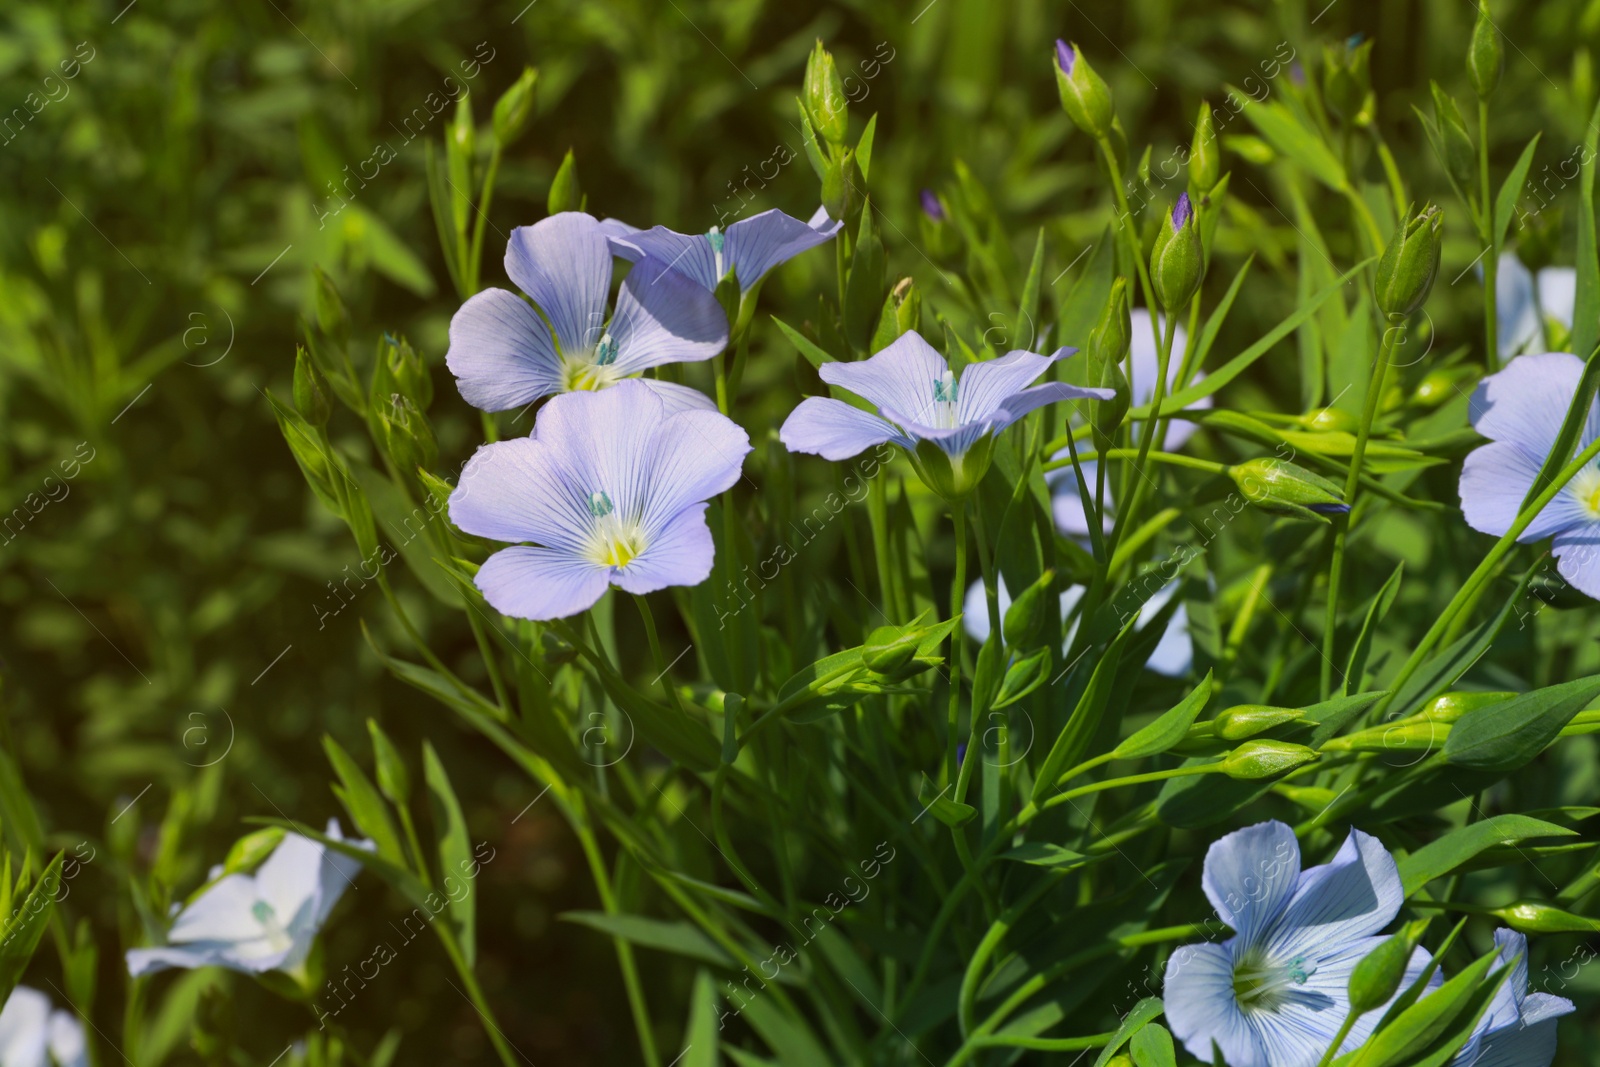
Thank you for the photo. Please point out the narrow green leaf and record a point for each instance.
(1504, 736)
(1289, 136)
(1448, 665)
(25, 925)
(1356, 667)
(1334, 715)
(1045, 854)
(1505, 203)
(1170, 728)
(1075, 737)
(700, 1034)
(1137, 1019)
(675, 938)
(1438, 858)
(457, 868)
(365, 806)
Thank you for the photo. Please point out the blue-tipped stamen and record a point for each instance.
(600, 504)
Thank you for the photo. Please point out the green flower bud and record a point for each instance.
(565, 193)
(1265, 759)
(939, 237)
(1539, 240)
(1283, 488)
(1108, 347)
(1347, 80)
(408, 371)
(331, 316)
(1536, 917)
(889, 648)
(840, 185)
(1084, 96)
(1309, 797)
(1329, 420)
(1378, 975)
(952, 477)
(248, 852)
(1030, 613)
(310, 390)
(1247, 720)
(407, 437)
(1177, 262)
(1408, 735)
(438, 491)
(1448, 707)
(1438, 386)
(1410, 264)
(1205, 154)
(824, 99)
(463, 131)
(511, 111)
(1486, 57)
(1456, 149)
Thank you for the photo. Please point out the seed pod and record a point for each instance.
(1265, 759)
(1537, 917)
(1247, 720)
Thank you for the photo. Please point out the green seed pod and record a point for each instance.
(511, 111)
(1247, 720)
(1284, 488)
(824, 99)
(1084, 95)
(310, 390)
(1029, 614)
(565, 192)
(1486, 56)
(840, 185)
(1177, 262)
(1537, 917)
(1205, 153)
(1410, 264)
(1265, 759)
(1378, 975)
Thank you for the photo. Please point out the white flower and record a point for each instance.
(32, 1035)
(261, 922)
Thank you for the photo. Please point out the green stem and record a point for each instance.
(1174, 458)
(655, 654)
(475, 257)
(625, 960)
(1147, 435)
(502, 1048)
(957, 636)
(1491, 264)
(1338, 1039)
(1341, 523)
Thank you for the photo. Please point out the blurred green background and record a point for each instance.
(167, 613)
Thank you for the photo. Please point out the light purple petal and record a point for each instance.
(540, 583)
(1513, 305)
(679, 397)
(988, 384)
(1354, 896)
(1494, 480)
(1197, 992)
(618, 229)
(690, 254)
(1048, 393)
(501, 352)
(955, 440)
(900, 377)
(663, 317)
(221, 913)
(757, 244)
(835, 430)
(1298, 1030)
(291, 878)
(1249, 877)
(681, 553)
(23, 1025)
(1578, 557)
(1525, 403)
(693, 456)
(564, 263)
(519, 490)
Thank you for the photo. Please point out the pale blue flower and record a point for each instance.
(919, 398)
(258, 922)
(1276, 993)
(1172, 656)
(506, 353)
(32, 1034)
(611, 488)
(1517, 316)
(750, 247)
(1520, 410)
(1519, 1029)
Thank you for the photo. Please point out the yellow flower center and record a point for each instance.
(1586, 487)
(613, 540)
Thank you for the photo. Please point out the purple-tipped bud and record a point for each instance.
(961, 753)
(1297, 73)
(1330, 509)
(1066, 55)
(931, 206)
(1182, 212)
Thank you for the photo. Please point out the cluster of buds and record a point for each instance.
(825, 125)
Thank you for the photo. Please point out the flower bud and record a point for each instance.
(1108, 346)
(840, 184)
(1264, 759)
(889, 648)
(1448, 707)
(511, 111)
(1084, 96)
(1247, 720)
(1456, 149)
(939, 238)
(1347, 80)
(408, 371)
(931, 206)
(1410, 264)
(1408, 735)
(1486, 57)
(332, 318)
(1536, 917)
(565, 192)
(1283, 488)
(1029, 614)
(407, 438)
(1539, 239)
(1438, 386)
(310, 390)
(1176, 262)
(250, 850)
(463, 131)
(1329, 420)
(1205, 154)
(824, 99)
(1377, 977)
